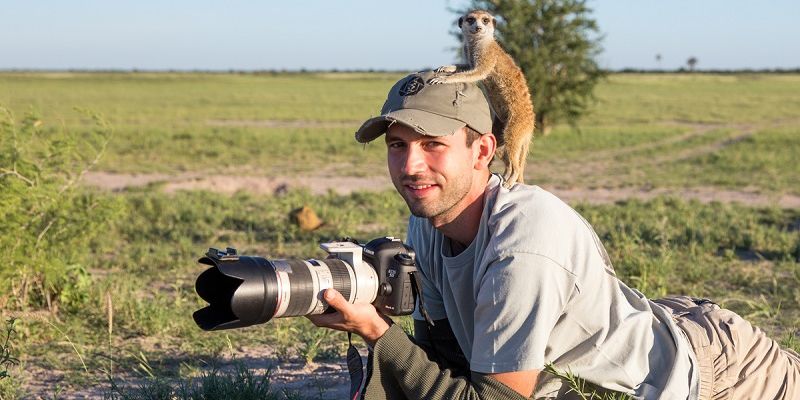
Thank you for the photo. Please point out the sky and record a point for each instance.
(363, 34)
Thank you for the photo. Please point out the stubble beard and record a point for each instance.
(449, 196)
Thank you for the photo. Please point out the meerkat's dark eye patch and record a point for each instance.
(471, 20)
(486, 20)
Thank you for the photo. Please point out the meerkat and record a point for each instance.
(505, 85)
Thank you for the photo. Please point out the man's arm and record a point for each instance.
(399, 366)
(397, 360)
(521, 381)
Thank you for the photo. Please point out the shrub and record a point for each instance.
(49, 227)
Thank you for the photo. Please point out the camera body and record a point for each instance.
(395, 265)
(247, 290)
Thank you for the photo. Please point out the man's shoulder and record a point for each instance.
(530, 205)
(531, 219)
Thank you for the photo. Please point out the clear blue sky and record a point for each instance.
(362, 34)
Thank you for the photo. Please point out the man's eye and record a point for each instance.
(431, 145)
(395, 145)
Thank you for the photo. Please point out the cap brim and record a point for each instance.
(423, 122)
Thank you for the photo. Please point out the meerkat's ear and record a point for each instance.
(494, 22)
(460, 21)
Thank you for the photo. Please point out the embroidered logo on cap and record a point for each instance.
(412, 86)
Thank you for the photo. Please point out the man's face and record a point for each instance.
(432, 173)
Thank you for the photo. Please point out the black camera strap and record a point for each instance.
(355, 367)
(416, 287)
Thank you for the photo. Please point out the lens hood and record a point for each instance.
(241, 291)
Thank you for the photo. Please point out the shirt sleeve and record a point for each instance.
(402, 370)
(518, 302)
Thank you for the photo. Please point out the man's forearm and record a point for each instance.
(401, 369)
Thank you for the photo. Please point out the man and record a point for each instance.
(515, 279)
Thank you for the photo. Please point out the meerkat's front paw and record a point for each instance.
(438, 80)
(446, 69)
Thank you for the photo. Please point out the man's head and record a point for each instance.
(439, 144)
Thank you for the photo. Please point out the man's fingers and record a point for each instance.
(326, 320)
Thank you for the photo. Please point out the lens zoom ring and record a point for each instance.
(340, 276)
(301, 289)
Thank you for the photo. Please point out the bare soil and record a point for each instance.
(279, 123)
(594, 179)
(229, 184)
(322, 380)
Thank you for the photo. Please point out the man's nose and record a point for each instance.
(415, 160)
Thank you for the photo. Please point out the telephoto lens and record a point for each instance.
(246, 290)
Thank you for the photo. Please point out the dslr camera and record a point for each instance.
(248, 290)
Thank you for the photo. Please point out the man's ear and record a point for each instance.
(487, 145)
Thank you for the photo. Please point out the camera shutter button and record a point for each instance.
(404, 259)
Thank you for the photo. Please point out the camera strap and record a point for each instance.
(355, 367)
(416, 287)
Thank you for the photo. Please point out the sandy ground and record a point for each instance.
(229, 184)
(323, 380)
(599, 166)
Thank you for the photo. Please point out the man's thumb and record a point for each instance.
(334, 298)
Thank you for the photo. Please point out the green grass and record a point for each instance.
(139, 246)
(283, 124)
(765, 160)
(743, 257)
(700, 98)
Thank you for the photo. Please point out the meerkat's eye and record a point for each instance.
(471, 20)
(486, 21)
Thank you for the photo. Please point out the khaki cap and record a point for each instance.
(434, 110)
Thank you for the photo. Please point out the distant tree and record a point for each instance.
(691, 62)
(658, 60)
(555, 42)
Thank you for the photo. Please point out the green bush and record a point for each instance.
(49, 228)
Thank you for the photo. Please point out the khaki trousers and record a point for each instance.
(736, 360)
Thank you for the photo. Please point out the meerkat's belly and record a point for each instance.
(509, 91)
(498, 98)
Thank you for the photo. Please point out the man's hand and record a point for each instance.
(361, 319)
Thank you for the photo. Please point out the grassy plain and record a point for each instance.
(301, 123)
(672, 131)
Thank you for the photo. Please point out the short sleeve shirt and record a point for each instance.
(536, 286)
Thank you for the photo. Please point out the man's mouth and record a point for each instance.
(419, 187)
(419, 190)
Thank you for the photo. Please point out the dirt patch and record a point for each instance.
(229, 184)
(702, 194)
(323, 380)
(281, 123)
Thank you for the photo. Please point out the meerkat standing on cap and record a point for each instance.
(506, 86)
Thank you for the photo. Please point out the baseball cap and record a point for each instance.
(434, 110)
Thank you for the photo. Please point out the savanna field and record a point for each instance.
(113, 184)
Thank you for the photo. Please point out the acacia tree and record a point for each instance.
(555, 43)
(691, 62)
